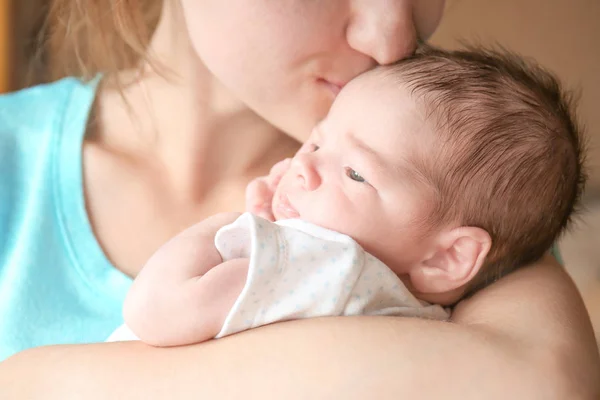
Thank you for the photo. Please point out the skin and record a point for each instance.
(493, 342)
(182, 147)
(185, 291)
(350, 176)
(353, 173)
(176, 156)
(356, 175)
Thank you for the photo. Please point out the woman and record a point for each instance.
(225, 90)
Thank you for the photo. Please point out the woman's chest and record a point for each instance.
(132, 213)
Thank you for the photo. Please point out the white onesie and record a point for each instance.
(300, 270)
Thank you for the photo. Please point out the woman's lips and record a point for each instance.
(285, 208)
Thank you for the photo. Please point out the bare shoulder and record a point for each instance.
(539, 310)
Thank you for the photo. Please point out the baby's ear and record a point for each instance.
(456, 257)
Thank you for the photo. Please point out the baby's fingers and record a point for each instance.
(259, 197)
(277, 171)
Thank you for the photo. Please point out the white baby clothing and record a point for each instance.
(301, 270)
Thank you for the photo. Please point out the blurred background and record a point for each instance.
(562, 35)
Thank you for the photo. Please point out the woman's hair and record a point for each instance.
(85, 37)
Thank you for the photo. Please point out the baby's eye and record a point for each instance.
(314, 147)
(355, 176)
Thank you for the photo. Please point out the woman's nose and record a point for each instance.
(383, 30)
(306, 171)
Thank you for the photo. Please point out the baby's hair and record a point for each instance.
(508, 155)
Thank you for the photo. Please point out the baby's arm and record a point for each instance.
(184, 292)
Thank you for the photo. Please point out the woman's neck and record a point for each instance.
(180, 119)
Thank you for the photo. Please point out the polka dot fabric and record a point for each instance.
(300, 270)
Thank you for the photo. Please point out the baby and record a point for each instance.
(427, 180)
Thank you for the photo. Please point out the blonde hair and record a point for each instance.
(85, 37)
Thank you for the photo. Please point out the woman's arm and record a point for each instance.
(527, 336)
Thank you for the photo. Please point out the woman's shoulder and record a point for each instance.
(32, 119)
(38, 109)
(540, 311)
(37, 124)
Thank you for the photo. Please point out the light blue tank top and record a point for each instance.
(56, 285)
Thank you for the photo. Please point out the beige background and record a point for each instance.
(4, 45)
(564, 36)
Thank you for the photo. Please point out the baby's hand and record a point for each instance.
(260, 191)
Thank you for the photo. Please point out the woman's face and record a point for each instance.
(287, 59)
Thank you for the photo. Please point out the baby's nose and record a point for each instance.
(306, 171)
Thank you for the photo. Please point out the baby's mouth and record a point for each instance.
(285, 209)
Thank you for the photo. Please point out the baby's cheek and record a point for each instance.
(335, 212)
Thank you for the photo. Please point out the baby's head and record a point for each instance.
(453, 168)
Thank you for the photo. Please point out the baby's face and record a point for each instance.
(355, 174)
